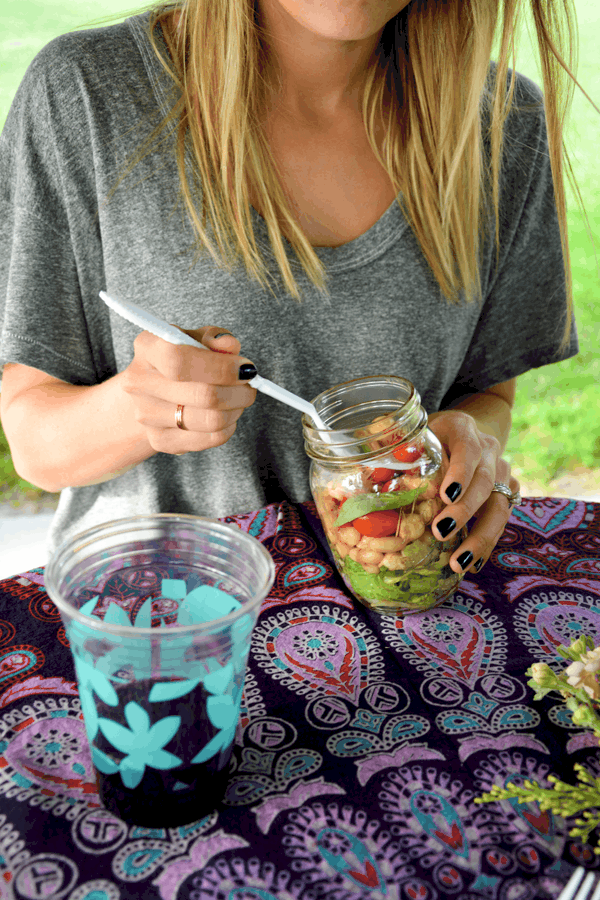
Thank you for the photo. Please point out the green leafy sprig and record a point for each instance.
(579, 686)
(562, 799)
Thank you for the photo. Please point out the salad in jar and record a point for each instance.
(377, 518)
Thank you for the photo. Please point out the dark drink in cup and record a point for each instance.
(159, 612)
(165, 797)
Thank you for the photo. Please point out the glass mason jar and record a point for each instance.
(376, 478)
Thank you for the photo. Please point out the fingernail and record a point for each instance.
(465, 559)
(446, 526)
(222, 334)
(453, 491)
(478, 564)
(246, 372)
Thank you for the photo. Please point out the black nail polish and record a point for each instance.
(246, 372)
(453, 491)
(465, 559)
(446, 526)
(478, 564)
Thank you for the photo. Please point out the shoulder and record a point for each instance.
(95, 49)
(81, 83)
(84, 99)
(527, 102)
(524, 135)
(81, 63)
(526, 91)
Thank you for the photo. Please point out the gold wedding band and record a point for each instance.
(179, 418)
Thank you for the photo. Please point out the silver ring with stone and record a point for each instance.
(514, 498)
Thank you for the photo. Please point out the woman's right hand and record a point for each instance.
(206, 383)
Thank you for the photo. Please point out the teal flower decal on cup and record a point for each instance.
(90, 679)
(202, 604)
(223, 710)
(142, 743)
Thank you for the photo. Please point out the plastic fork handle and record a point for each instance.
(149, 322)
(568, 892)
(278, 393)
(586, 888)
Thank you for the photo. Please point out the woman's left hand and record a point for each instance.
(475, 464)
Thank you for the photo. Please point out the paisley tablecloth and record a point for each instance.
(362, 744)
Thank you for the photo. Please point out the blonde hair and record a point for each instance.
(432, 62)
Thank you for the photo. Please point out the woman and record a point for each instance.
(340, 189)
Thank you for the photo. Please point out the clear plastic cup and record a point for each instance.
(159, 612)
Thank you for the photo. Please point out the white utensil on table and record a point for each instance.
(585, 891)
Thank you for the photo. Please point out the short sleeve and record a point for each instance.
(524, 306)
(48, 238)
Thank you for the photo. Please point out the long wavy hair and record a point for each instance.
(428, 80)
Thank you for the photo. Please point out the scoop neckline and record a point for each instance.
(355, 253)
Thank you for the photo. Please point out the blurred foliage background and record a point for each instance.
(556, 433)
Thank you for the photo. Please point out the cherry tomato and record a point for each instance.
(379, 475)
(394, 484)
(380, 523)
(407, 454)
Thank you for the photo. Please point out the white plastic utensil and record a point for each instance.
(149, 322)
(172, 335)
(570, 891)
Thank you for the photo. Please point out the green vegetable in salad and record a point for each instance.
(361, 504)
(410, 591)
(369, 586)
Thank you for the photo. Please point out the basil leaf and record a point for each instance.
(361, 504)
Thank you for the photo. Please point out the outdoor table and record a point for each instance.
(362, 745)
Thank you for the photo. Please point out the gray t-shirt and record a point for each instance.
(86, 103)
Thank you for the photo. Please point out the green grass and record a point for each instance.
(13, 488)
(28, 26)
(557, 409)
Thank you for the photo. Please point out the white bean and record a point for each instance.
(370, 557)
(371, 570)
(393, 561)
(328, 505)
(432, 490)
(342, 549)
(349, 535)
(388, 544)
(428, 509)
(327, 520)
(411, 527)
(380, 424)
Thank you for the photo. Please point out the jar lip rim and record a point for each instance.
(403, 407)
(365, 457)
(371, 379)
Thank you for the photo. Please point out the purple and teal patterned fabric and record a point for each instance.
(362, 744)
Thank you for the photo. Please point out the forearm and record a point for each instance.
(63, 435)
(492, 413)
